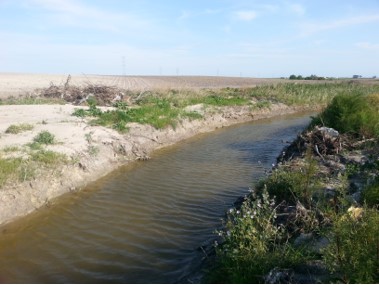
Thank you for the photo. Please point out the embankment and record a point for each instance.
(94, 151)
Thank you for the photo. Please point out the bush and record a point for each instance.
(44, 137)
(253, 244)
(292, 186)
(356, 114)
(370, 194)
(354, 248)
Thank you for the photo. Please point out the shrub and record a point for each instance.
(252, 244)
(353, 251)
(354, 113)
(44, 137)
(292, 186)
(370, 194)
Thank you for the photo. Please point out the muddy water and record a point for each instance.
(144, 223)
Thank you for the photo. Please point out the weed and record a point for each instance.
(121, 105)
(88, 137)
(292, 186)
(93, 150)
(11, 149)
(35, 146)
(262, 104)
(16, 129)
(354, 248)
(81, 113)
(192, 115)
(8, 168)
(253, 244)
(370, 194)
(27, 171)
(44, 137)
(47, 157)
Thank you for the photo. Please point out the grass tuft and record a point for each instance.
(44, 137)
(19, 128)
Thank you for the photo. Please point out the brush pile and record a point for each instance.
(104, 95)
(322, 140)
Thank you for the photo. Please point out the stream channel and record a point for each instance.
(145, 222)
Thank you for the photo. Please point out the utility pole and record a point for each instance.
(123, 66)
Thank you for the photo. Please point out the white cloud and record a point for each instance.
(297, 9)
(245, 15)
(312, 28)
(367, 46)
(184, 15)
(270, 8)
(77, 14)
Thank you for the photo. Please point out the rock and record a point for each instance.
(311, 243)
(312, 272)
(198, 108)
(303, 239)
(329, 132)
(279, 276)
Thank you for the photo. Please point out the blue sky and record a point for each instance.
(190, 37)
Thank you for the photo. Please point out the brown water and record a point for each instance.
(144, 223)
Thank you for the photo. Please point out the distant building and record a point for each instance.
(357, 76)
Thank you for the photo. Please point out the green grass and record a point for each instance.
(19, 128)
(17, 169)
(161, 109)
(47, 157)
(31, 101)
(44, 137)
(8, 168)
(156, 112)
(11, 149)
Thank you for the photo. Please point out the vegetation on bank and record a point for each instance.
(161, 109)
(165, 108)
(320, 208)
(19, 164)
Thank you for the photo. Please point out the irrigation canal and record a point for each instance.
(144, 223)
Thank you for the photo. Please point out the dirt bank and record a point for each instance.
(93, 151)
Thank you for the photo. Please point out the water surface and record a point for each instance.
(144, 223)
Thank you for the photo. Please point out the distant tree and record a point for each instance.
(293, 76)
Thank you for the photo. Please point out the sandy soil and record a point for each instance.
(14, 84)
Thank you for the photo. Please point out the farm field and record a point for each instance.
(14, 84)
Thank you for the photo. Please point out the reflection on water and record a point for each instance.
(145, 222)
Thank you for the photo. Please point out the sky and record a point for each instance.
(334, 38)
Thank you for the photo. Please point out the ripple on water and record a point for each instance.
(144, 222)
